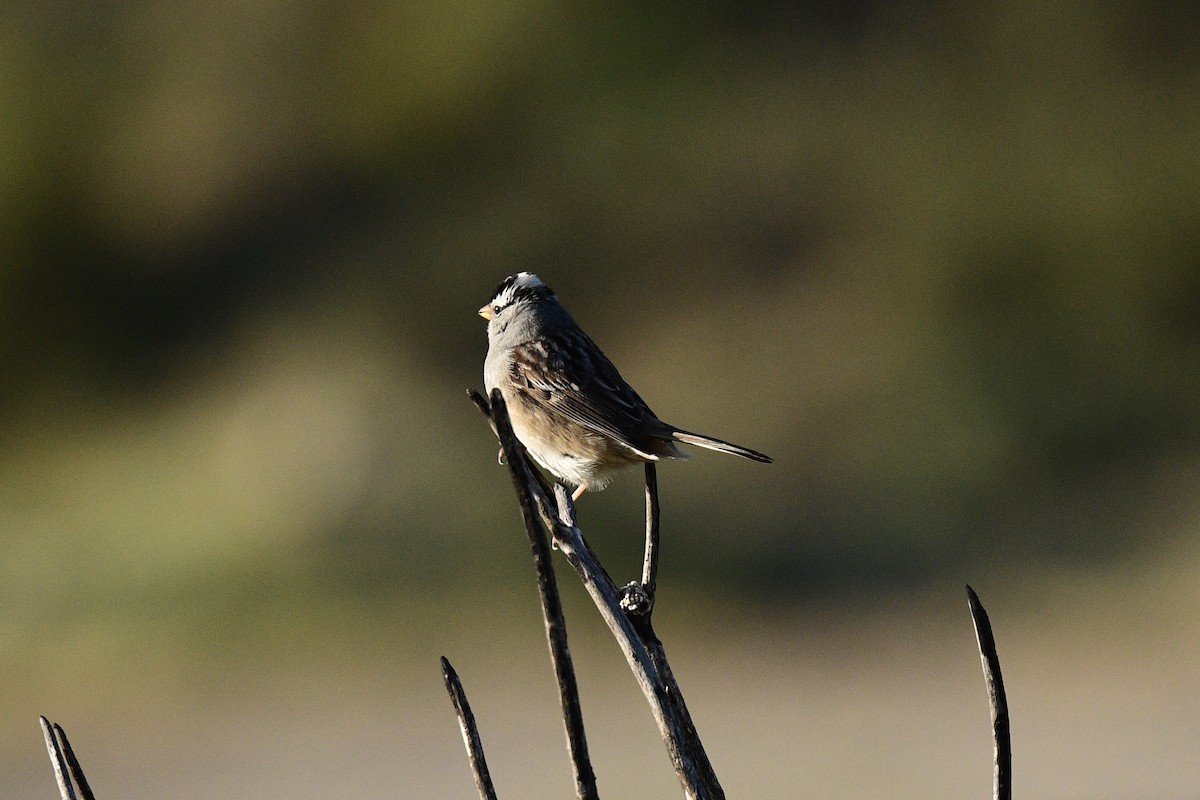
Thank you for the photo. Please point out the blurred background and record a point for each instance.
(941, 260)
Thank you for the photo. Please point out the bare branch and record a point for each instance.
(470, 732)
(482, 404)
(666, 702)
(650, 563)
(556, 626)
(58, 761)
(608, 601)
(85, 791)
(68, 772)
(690, 738)
(638, 598)
(485, 408)
(1002, 745)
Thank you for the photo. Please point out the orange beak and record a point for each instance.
(486, 312)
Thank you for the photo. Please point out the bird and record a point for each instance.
(568, 404)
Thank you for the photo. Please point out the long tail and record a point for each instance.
(721, 446)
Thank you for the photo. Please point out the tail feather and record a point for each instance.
(720, 446)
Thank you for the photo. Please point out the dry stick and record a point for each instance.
(1002, 745)
(58, 761)
(556, 626)
(607, 599)
(637, 599)
(691, 738)
(85, 791)
(485, 408)
(470, 732)
(650, 563)
(641, 618)
(559, 518)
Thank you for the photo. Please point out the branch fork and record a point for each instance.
(549, 509)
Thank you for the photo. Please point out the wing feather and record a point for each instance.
(575, 379)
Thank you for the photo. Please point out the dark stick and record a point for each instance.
(637, 599)
(556, 626)
(470, 732)
(645, 628)
(691, 739)
(85, 791)
(482, 404)
(1002, 768)
(485, 408)
(558, 517)
(650, 563)
(58, 761)
(609, 603)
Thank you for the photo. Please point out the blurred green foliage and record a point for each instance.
(942, 260)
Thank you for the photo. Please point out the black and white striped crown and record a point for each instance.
(519, 287)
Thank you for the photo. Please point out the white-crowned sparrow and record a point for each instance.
(569, 406)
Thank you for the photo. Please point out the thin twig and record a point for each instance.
(637, 599)
(470, 732)
(58, 761)
(556, 626)
(482, 404)
(485, 408)
(1002, 744)
(650, 563)
(85, 791)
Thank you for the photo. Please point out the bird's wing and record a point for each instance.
(569, 374)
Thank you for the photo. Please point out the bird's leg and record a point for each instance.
(579, 492)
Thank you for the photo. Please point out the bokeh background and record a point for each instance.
(942, 260)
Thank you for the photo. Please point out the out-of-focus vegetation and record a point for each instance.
(941, 260)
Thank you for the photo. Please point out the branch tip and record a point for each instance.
(997, 700)
(58, 759)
